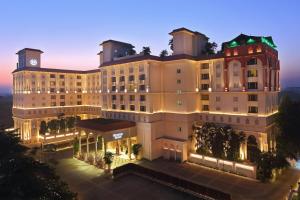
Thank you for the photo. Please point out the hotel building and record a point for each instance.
(164, 96)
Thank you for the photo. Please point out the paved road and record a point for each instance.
(240, 188)
(92, 183)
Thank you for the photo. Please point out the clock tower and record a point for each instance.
(29, 58)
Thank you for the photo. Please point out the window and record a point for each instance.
(204, 76)
(235, 109)
(62, 96)
(78, 77)
(252, 61)
(114, 106)
(204, 97)
(52, 75)
(179, 129)
(61, 76)
(235, 99)
(218, 99)
(143, 108)
(205, 107)
(178, 71)
(252, 73)
(236, 85)
(113, 88)
(252, 97)
(132, 107)
(52, 90)
(252, 85)
(52, 83)
(79, 102)
(122, 78)
(113, 79)
(122, 88)
(178, 81)
(204, 66)
(252, 109)
(78, 84)
(62, 103)
(142, 87)
(122, 107)
(121, 98)
(131, 97)
(131, 78)
(142, 98)
(179, 102)
(113, 97)
(53, 96)
(62, 90)
(218, 108)
(53, 103)
(142, 77)
(204, 86)
(79, 96)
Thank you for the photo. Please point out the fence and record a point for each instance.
(224, 165)
(179, 183)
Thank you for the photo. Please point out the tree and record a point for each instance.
(163, 53)
(146, 51)
(43, 127)
(288, 120)
(234, 143)
(136, 148)
(70, 122)
(53, 125)
(22, 177)
(210, 48)
(75, 146)
(265, 165)
(171, 44)
(62, 124)
(252, 149)
(108, 159)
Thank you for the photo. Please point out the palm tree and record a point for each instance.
(108, 159)
(146, 51)
(163, 53)
(43, 127)
(136, 148)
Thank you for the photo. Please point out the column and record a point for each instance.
(129, 147)
(80, 142)
(87, 143)
(96, 144)
(104, 145)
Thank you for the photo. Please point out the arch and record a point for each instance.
(252, 148)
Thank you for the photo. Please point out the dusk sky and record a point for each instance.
(69, 32)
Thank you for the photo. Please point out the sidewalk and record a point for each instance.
(239, 187)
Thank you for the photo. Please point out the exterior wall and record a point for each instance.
(164, 97)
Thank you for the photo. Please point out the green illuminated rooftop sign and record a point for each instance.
(267, 42)
(233, 44)
(250, 41)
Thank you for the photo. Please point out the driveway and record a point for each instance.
(239, 187)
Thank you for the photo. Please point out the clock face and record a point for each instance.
(33, 62)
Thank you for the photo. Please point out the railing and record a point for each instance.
(175, 182)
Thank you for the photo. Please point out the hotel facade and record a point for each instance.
(164, 96)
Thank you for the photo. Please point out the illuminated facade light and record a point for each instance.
(38, 92)
(135, 90)
(125, 90)
(197, 89)
(209, 89)
(57, 91)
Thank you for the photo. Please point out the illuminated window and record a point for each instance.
(205, 107)
(250, 50)
(228, 53)
(204, 76)
(252, 73)
(143, 108)
(258, 49)
(252, 97)
(252, 109)
(235, 52)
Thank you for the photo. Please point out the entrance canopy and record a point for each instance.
(109, 129)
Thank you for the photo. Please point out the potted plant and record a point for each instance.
(108, 159)
(136, 148)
